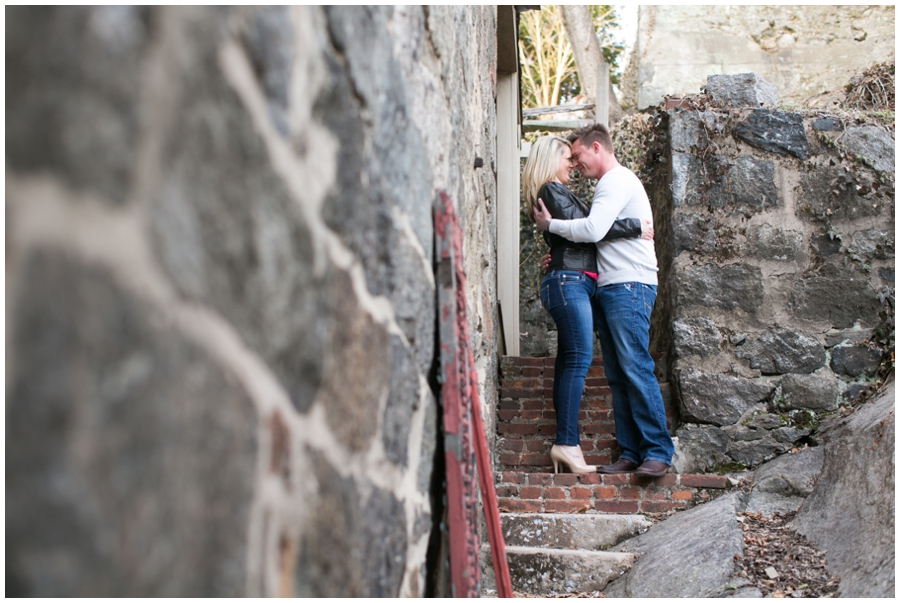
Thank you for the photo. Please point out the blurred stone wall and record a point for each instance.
(782, 232)
(220, 301)
(805, 51)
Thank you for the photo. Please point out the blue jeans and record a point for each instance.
(622, 319)
(566, 295)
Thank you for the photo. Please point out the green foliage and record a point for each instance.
(732, 467)
(801, 419)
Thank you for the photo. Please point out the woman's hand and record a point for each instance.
(542, 216)
(545, 262)
(647, 230)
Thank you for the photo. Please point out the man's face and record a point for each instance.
(585, 159)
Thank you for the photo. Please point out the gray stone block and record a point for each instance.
(716, 398)
(765, 421)
(742, 90)
(779, 352)
(818, 392)
(775, 132)
(731, 287)
(431, 433)
(132, 453)
(687, 176)
(354, 542)
(694, 233)
(695, 337)
(403, 400)
(768, 242)
(827, 194)
(873, 143)
(753, 452)
(269, 39)
(790, 474)
(853, 336)
(357, 368)
(854, 361)
(748, 183)
(825, 245)
(690, 129)
(751, 184)
(699, 448)
(839, 297)
(789, 435)
(74, 89)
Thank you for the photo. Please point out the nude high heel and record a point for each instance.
(569, 457)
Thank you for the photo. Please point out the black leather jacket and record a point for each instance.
(565, 254)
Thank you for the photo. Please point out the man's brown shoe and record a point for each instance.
(620, 466)
(652, 469)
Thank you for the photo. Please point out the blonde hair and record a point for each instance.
(540, 167)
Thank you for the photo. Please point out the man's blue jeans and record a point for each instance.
(622, 319)
(566, 295)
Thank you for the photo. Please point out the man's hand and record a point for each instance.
(545, 262)
(647, 230)
(542, 217)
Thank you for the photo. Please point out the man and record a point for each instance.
(626, 291)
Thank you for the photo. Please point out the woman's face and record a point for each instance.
(565, 164)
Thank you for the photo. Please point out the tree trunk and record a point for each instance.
(588, 56)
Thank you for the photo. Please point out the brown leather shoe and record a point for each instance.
(620, 466)
(652, 469)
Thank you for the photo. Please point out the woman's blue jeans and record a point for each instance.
(566, 295)
(622, 319)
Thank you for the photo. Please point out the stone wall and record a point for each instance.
(783, 247)
(804, 51)
(220, 293)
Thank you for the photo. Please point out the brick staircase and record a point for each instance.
(556, 525)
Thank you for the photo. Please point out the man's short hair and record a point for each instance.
(588, 135)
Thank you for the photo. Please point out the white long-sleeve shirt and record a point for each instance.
(619, 194)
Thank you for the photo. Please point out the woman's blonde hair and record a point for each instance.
(540, 167)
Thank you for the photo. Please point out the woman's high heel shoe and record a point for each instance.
(571, 457)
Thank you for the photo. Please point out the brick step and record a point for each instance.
(538, 571)
(533, 454)
(586, 531)
(523, 492)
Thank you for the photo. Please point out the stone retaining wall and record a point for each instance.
(220, 293)
(783, 247)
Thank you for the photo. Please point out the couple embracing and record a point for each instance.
(601, 276)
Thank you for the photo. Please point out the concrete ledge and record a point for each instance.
(546, 571)
(590, 532)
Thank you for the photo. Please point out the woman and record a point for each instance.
(567, 288)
